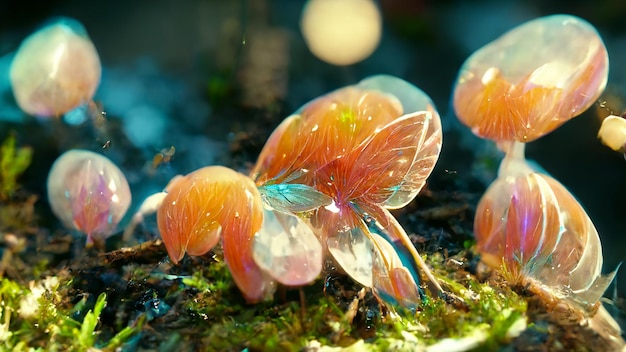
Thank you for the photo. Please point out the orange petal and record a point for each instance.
(323, 130)
(210, 202)
(243, 217)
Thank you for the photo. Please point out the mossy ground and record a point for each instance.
(58, 296)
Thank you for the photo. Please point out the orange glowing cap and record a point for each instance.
(532, 79)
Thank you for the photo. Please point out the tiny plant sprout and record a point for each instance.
(341, 32)
(532, 79)
(87, 192)
(210, 204)
(55, 70)
(612, 133)
(340, 162)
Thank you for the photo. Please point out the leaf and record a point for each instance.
(88, 327)
(293, 198)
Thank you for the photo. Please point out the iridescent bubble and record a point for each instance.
(55, 70)
(89, 193)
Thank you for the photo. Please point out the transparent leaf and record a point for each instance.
(293, 198)
(286, 248)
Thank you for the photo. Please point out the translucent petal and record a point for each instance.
(392, 165)
(537, 229)
(210, 202)
(88, 192)
(55, 70)
(334, 125)
(351, 247)
(390, 277)
(283, 154)
(369, 258)
(532, 79)
(398, 250)
(286, 247)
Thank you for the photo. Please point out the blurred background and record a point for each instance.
(202, 75)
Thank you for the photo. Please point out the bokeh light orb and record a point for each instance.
(341, 32)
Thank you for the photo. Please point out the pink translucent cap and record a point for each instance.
(88, 192)
(55, 70)
(532, 79)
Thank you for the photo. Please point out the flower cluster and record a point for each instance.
(323, 184)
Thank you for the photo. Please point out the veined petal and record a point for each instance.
(284, 154)
(242, 221)
(391, 166)
(210, 202)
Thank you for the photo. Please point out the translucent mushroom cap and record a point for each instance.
(55, 69)
(532, 79)
(87, 192)
(530, 226)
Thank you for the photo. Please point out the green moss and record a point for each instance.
(37, 317)
(224, 321)
(13, 162)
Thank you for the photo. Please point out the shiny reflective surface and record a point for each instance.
(532, 79)
(365, 148)
(528, 225)
(208, 204)
(88, 192)
(55, 70)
